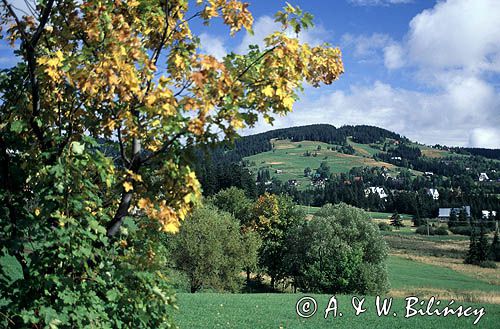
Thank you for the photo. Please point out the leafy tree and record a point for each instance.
(88, 80)
(396, 221)
(307, 171)
(252, 243)
(210, 250)
(272, 217)
(324, 170)
(339, 251)
(235, 202)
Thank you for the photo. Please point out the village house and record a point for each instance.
(433, 193)
(320, 182)
(278, 171)
(376, 189)
(444, 213)
(486, 214)
(483, 177)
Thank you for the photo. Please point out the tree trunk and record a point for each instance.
(114, 225)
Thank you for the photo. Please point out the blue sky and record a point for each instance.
(429, 70)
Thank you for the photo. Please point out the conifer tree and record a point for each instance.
(452, 222)
(495, 248)
(396, 220)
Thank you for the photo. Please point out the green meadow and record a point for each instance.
(288, 157)
(267, 311)
(409, 274)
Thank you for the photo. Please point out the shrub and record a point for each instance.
(441, 231)
(462, 230)
(422, 230)
(209, 249)
(466, 230)
(488, 264)
(384, 226)
(339, 251)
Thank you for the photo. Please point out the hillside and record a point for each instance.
(319, 164)
(287, 160)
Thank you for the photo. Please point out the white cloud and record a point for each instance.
(365, 46)
(457, 33)
(485, 137)
(394, 57)
(265, 25)
(213, 46)
(431, 118)
(378, 2)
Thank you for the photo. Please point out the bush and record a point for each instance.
(488, 264)
(441, 231)
(209, 248)
(462, 230)
(466, 230)
(384, 226)
(422, 230)
(339, 251)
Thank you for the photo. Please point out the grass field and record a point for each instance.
(289, 157)
(409, 274)
(267, 311)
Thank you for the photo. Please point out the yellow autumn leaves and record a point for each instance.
(106, 79)
(168, 214)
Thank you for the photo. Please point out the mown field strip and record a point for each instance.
(267, 311)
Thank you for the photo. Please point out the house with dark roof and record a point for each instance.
(444, 213)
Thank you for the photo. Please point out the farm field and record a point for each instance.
(289, 157)
(408, 275)
(267, 311)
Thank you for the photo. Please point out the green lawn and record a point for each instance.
(289, 157)
(266, 311)
(404, 273)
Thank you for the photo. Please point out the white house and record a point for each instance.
(444, 213)
(483, 177)
(486, 214)
(429, 173)
(279, 171)
(378, 190)
(433, 193)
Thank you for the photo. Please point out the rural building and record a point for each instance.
(429, 173)
(433, 192)
(444, 213)
(320, 182)
(486, 214)
(293, 182)
(396, 158)
(279, 171)
(483, 177)
(378, 190)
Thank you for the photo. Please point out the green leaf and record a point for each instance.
(17, 126)
(10, 269)
(77, 148)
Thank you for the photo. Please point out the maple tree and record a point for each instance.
(93, 75)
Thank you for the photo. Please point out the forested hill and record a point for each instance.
(218, 167)
(258, 143)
